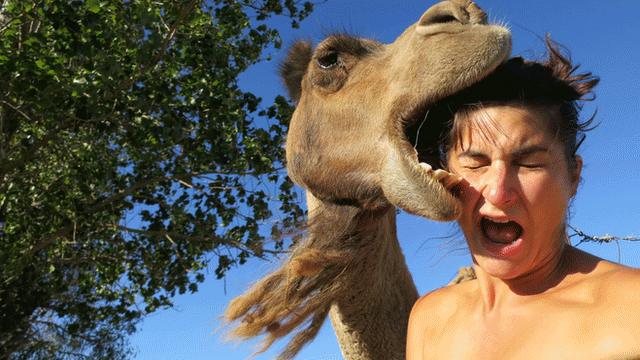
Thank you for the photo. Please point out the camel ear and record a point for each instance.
(294, 67)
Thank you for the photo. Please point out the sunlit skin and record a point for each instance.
(536, 297)
(519, 175)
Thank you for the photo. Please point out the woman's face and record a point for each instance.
(516, 190)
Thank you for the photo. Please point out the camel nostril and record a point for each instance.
(442, 18)
(444, 13)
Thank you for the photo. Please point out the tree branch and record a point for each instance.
(17, 109)
(179, 236)
(48, 239)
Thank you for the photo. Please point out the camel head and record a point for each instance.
(361, 105)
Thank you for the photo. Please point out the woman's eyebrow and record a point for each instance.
(518, 153)
(474, 154)
(529, 150)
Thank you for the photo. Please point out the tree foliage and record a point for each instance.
(129, 160)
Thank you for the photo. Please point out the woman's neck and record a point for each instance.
(497, 293)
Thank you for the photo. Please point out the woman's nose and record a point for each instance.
(499, 186)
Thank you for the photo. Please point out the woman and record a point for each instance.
(512, 154)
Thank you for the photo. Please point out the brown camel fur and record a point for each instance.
(360, 106)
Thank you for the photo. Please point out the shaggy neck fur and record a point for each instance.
(376, 281)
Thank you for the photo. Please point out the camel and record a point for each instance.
(351, 145)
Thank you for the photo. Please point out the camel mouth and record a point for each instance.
(424, 134)
(424, 131)
(424, 128)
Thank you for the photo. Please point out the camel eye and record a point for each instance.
(329, 60)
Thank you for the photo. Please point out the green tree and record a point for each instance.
(130, 162)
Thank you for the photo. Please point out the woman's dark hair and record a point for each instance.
(552, 84)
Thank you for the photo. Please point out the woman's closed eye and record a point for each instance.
(531, 165)
(536, 161)
(536, 157)
(474, 166)
(472, 160)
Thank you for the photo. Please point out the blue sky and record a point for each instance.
(602, 38)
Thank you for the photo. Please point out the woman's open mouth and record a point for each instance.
(500, 232)
(503, 238)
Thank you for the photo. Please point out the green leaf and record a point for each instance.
(93, 6)
(41, 64)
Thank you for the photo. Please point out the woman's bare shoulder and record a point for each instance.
(431, 311)
(446, 300)
(601, 271)
(619, 306)
(620, 281)
(441, 304)
(611, 285)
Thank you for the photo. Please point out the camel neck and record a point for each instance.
(370, 318)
